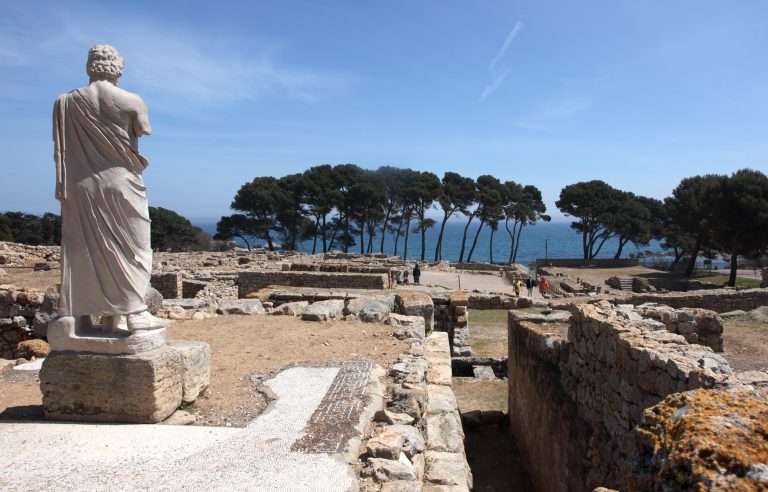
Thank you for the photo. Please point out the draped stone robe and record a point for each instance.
(106, 258)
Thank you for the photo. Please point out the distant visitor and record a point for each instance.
(105, 245)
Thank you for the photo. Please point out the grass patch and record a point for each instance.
(481, 395)
(751, 283)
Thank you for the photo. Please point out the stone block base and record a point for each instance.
(137, 388)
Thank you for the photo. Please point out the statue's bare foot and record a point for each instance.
(113, 324)
(145, 321)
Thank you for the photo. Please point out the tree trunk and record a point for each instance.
(423, 238)
(490, 251)
(317, 231)
(511, 239)
(694, 254)
(384, 230)
(322, 233)
(474, 243)
(584, 239)
(464, 237)
(407, 231)
(247, 244)
(517, 243)
(397, 237)
(622, 243)
(734, 265)
(678, 257)
(439, 246)
(362, 238)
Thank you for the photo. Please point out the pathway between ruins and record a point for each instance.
(286, 448)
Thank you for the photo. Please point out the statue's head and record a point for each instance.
(104, 62)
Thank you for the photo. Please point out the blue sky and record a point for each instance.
(639, 94)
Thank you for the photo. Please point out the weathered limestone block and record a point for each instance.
(137, 388)
(371, 309)
(417, 304)
(196, 366)
(444, 433)
(384, 470)
(291, 308)
(447, 469)
(323, 310)
(409, 326)
(243, 307)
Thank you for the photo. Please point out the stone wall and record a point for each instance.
(250, 282)
(339, 268)
(718, 300)
(574, 400)
(596, 263)
(24, 315)
(478, 267)
(168, 284)
(418, 440)
(17, 254)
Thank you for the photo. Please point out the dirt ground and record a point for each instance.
(27, 277)
(241, 346)
(745, 344)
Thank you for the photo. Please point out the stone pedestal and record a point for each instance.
(140, 388)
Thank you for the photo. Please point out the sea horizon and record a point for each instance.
(543, 240)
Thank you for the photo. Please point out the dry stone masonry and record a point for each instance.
(588, 389)
(718, 300)
(250, 282)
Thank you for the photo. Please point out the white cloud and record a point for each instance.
(491, 88)
(174, 67)
(543, 116)
(507, 43)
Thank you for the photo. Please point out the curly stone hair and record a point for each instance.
(104, 62)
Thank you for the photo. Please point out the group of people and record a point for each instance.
(401, 276)
(530, 284)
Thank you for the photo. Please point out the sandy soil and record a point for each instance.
(745, 344)
(242, 346)
(27, 277)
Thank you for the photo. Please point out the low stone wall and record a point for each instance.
(595, 263)
(574, 400)
(478, 267)
(250, 282)
(17, 254)
(718, 300)
(24, 315)
(168, 284)
(338, 268)
(418, 441)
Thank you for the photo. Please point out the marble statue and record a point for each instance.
(106, 258)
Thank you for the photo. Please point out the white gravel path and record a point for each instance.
(61, 456)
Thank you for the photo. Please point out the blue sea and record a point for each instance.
(543, 240)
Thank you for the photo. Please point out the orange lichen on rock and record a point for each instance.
(703, 440)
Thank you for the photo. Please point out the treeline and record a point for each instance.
(704, 215)
(18, 227)
(170, 231)
(345, 206)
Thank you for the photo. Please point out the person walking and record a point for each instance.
(518, 287)
(416, 274)
(529, 286)
(543, 286)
